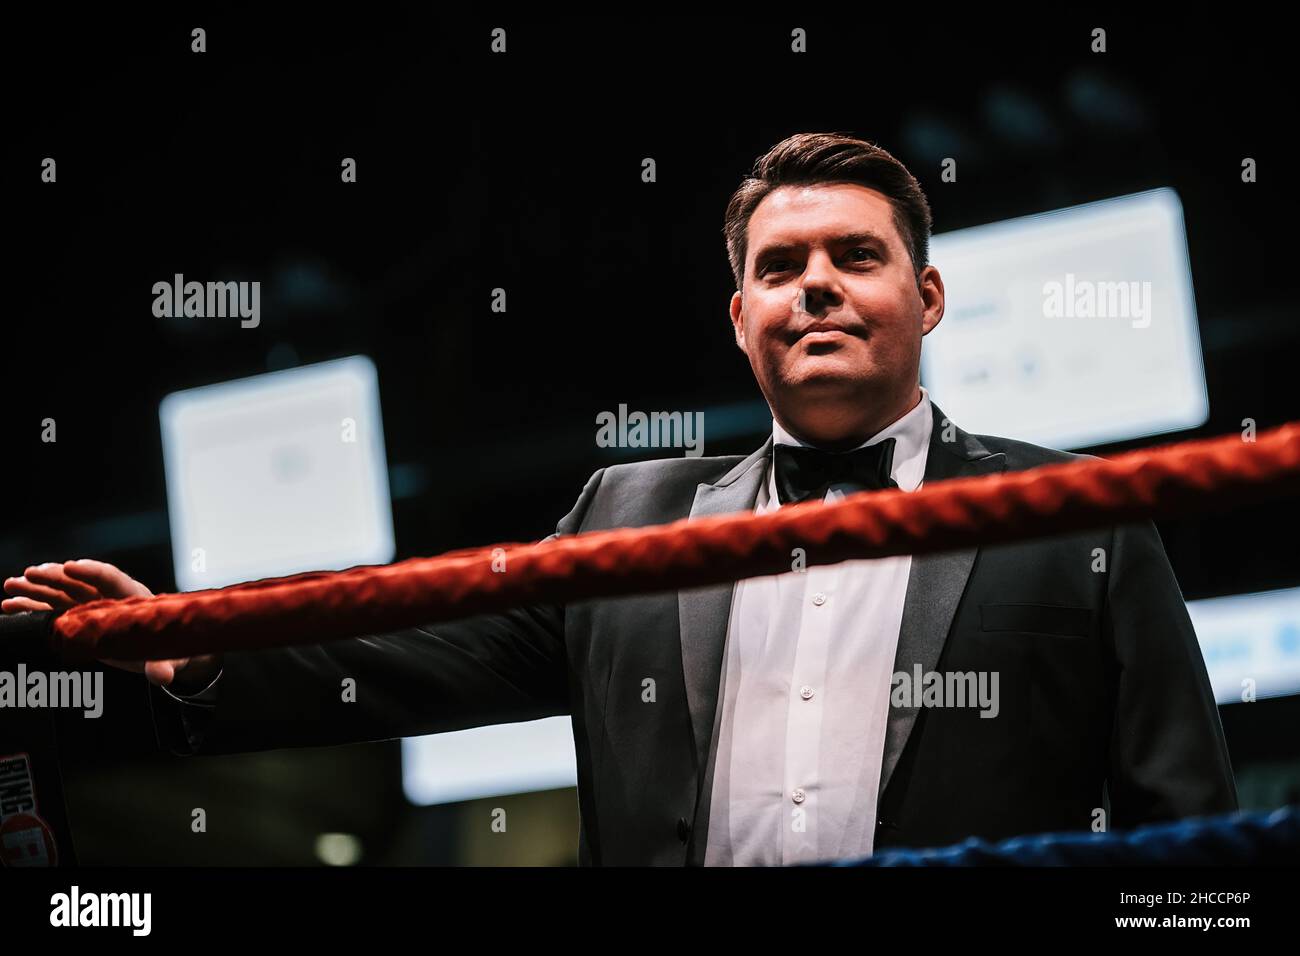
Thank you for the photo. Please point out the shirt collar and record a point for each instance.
(911, 434)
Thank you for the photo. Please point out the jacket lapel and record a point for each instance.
(936, 581)
(703, 612)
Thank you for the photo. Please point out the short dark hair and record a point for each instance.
(807, 159)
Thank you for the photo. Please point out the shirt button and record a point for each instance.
(819, 598)
(798, 796)
(806, 692)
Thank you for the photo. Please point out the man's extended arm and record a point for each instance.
(487, 669)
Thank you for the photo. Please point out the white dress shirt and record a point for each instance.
(806, 678)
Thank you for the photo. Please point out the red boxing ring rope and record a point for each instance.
(1209, 474)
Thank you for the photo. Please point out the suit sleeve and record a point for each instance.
(1168, 756)
(487, 669)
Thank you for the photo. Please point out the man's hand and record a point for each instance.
(57, 587)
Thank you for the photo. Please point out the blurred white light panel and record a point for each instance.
(277, 474)
(1121, 356)
(1253, 637)
(489, 761)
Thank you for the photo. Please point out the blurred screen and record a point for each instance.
(277, 474)
(1250, 637)
(489, 761)
(1070, 328)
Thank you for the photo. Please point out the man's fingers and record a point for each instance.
(52, 575)
(161, 673)
(15, 605)
(105, 578)
(21, 587)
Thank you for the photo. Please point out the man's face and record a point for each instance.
(831, 318)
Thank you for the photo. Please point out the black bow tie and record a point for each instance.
(803, 473)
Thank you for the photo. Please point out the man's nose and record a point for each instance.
(820, 286)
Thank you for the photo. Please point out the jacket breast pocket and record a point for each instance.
(1054, 619)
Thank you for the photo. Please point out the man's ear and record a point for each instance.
(738, 320)
(930, 287)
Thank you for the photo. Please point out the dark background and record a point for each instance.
(522, 171)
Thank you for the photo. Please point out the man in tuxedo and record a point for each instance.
(769, 721)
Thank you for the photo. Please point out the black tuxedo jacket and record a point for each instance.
(1105, 702)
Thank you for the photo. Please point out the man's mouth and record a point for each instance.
(823, 335)
(825, 331)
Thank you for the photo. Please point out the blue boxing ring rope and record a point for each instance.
(1254, 838)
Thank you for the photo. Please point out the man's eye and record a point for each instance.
(774, 265)
(869, 252)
